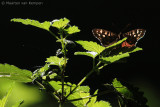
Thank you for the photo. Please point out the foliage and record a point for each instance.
(45, 25)
(4, 100)
(51, 76)
(14, 73)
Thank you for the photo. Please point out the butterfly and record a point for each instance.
(108, 38)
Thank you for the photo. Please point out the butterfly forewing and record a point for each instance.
(105, 37)
(132, 37)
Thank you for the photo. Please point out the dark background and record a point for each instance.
(27, 46)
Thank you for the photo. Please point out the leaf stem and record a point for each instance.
(102, 66)
(53, 34)
(40, 84)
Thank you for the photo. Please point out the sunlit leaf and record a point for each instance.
(72, 29)
(93, 100)
(3, 101)
(117, 43)
(90, 54)
(91, 46)
(18, 103)
(14, 73)
(80, 92)
(101, 104)
(54, 60)
(114, 58)
(61, 23)
(135, 49)
(45, 25)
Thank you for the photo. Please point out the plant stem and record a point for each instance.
(64, 66)
(82, 79)
(60, 105)
(40, 84)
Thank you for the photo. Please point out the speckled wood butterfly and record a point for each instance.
(108, 38)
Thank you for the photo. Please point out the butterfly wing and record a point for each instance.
(133, 37)
(105, 37)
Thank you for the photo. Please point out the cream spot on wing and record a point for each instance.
(101, 31)
(97, 31)
(133, 33)
(109, 34)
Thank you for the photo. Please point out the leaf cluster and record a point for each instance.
(51, 76)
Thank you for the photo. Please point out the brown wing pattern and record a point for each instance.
(105, 37)
(132, 37)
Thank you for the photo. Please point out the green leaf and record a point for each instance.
(80, 92)
(45, 25)
(52, 76)
(57, 85)
(4, 100)
(102, 104)
(135, 50)
(113, 58)
(14, 73)
(117, 43)
(54, 60)
(112, 48)
(90, 54)
(18, 103)
(94, 103)
(61, 23)
(72, 29)
(79, 103)
(122, 89)
(91, 46)
(93, 99)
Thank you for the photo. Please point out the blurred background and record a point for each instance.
(27, 47)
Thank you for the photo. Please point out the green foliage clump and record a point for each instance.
(52, 79)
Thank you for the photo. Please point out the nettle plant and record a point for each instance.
(51, 77)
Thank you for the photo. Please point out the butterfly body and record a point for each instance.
(108, 38)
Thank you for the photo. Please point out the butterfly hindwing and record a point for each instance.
(105, 37)
(132, 37)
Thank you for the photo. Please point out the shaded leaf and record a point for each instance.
(122, 89)
(14, 73)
